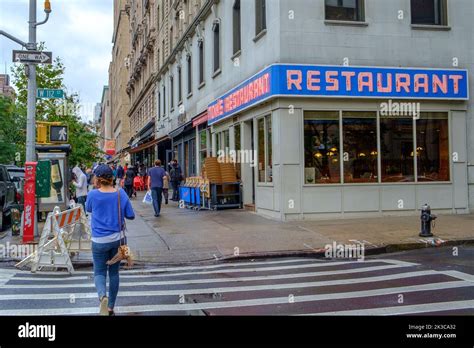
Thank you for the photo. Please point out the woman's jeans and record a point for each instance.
(101, 253)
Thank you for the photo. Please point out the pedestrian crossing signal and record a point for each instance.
(58, 134)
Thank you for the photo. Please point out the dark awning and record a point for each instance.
(144, 146)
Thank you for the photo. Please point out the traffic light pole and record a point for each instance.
(31, 72)
(31, 75)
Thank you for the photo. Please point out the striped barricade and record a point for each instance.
(61, 235)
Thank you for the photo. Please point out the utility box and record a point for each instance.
(43, 179)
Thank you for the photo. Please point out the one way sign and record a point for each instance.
(35, 57)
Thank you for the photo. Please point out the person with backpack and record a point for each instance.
(176, 177)
(128, 182)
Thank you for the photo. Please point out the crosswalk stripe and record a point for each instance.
(406, 309)
(207, 280)
(241, 303)
(238, 264)
(239, 270)
(178, 292)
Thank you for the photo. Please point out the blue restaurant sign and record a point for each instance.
(341, 82)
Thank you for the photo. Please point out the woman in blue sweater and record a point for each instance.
(106, 233)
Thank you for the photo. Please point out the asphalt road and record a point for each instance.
(423, 282)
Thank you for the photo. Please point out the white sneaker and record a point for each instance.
(104, 304)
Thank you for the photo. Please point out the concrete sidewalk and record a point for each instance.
(183, 235)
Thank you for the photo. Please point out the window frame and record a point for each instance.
(236, 28)
(379, 174)
(202, 67)
(180, 85)
(189, 65)
(265, 117)
(260, 17)
(216, 49)
(360, 14)
(444, 17)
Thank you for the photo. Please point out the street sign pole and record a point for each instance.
(31, 71)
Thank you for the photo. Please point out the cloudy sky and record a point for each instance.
(78, 31)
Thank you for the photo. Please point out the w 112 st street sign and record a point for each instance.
(34, 57)
(44, 93)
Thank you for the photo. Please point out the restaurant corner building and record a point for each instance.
(347, 118)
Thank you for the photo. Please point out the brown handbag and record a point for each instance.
(124, 252)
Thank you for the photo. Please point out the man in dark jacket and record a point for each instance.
(128, 182)
(176, 178)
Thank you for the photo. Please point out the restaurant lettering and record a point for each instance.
(324, 81)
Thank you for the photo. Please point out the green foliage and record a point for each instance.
(82, 138)
(12, 138)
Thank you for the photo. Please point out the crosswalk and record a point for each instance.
(295, 286)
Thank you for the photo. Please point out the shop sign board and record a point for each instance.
(325, 81)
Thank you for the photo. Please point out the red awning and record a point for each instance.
(200, 119)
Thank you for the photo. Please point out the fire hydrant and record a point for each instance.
(426, 219)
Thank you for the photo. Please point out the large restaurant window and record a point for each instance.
(360, 154)
(360, 147)
(265, 163)
(432, 147)
(321, 143)
(429, 12)
(396, 146)
(345, 10)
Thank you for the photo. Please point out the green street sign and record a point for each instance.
(44, 93)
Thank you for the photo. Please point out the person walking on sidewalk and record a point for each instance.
(166, 186)
(120, 174)
(80, 182)
(103, 203)
(176, 178)
(128, 182)
(155, 184)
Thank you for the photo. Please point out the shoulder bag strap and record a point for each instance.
(121, 225)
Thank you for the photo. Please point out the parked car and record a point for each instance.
(17, 175)
(8, 195)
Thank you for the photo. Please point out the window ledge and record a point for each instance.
(217, 72)
(236, 54)
(190, 95)
(202, 85)
(430, 27)
(260, 35)
(180, 103)
(348, 23)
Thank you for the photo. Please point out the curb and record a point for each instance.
(319, 254)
